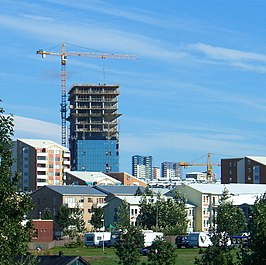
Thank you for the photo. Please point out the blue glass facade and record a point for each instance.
(96, 155)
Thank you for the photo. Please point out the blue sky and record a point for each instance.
(197, 87)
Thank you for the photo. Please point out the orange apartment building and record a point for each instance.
(41, 162)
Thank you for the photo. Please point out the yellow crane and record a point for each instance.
(63, 55)
(209, 165)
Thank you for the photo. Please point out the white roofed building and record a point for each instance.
(90, 178)
(206, 197)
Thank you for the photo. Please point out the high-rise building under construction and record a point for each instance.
(94, 135)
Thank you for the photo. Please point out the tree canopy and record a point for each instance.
(230, 218)
(128, 246)
(123, 216)
(14, 205)
(97, 217)
(165, 214)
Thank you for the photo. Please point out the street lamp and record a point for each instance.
(103, 233)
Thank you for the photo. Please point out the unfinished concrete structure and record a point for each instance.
(93, 141)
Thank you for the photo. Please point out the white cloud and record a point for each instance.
(227, 54)
(36, 129)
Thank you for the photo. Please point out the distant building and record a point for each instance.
(156, 172)
(127, 179)
(249, 170)
(196, 176)
(41, 162)
(171, 170)
(93, 118)
(142, 166)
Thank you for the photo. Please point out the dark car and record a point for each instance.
(144, 251)
(181, 241)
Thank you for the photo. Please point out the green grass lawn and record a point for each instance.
(95, 256)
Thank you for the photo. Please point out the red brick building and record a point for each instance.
(43, 231)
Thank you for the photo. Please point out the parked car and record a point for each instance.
(144, 251)
(181, 241)
(199, 240)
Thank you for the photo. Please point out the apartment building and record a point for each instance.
(54, 197)
(249, 169)
(41, 162)
(142, 166)
(205, 198)
(94, 141)
(171, 170)
(156, 172)
(112, 205)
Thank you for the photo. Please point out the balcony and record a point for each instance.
(73, 205)
(41, 169)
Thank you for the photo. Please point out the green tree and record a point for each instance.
(138, 192)
(257, 227)
(161, 253)
(164, 214)
(148, 212)
(128, 246)
(14, 205)
(123, 216)
(47, 214)
(63, 218)
(230, 218)
(77, 220)
(217, 253)
(97, 217)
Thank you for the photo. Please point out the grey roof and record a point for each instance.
(75, 190)
(119, 190)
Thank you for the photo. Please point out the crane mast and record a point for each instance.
(63, 54)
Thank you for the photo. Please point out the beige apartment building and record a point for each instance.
(53, 197)
(205, 198)
(40, 162)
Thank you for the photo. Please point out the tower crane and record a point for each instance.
(63, 55)
(209, 165)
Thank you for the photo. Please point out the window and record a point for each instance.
(35, 233)
(81, 200)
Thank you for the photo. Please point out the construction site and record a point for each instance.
(93, 136)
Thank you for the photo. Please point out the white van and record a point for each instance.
(94, 238)
(149, 237)
(199, 239)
